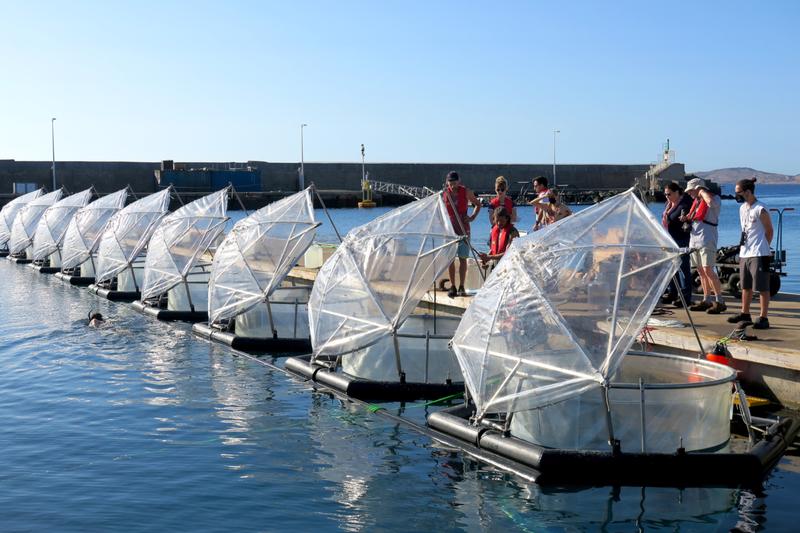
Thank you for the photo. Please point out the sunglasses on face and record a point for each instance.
(500, 188)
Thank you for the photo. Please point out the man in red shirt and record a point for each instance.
(457, 199)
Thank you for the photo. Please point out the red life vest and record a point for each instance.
(702, 209)
(500, 239)
(460, 199)
(508, 203)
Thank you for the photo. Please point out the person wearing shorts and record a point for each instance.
(457, 199)
(704, 216)
(754, 254)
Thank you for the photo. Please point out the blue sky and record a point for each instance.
(433, 81)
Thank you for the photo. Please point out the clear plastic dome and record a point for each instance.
(179, 241)
(365, 292)
(25, 223)
(127, 234)
(556, 316)
(86, 228)
(52, 226)
(9, 212)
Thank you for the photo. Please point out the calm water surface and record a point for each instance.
(140, 426)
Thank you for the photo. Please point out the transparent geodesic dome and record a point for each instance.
(86, 228)
(557, 315)
(9, 212)
(53, 225)
(24, 227)
(258, 253)
(179, 241)
(128, 232)
(365, 292)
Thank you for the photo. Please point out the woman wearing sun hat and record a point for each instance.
(704, 216)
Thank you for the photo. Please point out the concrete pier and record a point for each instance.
(108, 176)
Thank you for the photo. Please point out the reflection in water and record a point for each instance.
(238, 392)
(482, 495)
(347, 467)
(106, 427)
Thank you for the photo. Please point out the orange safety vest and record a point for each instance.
(500, 239)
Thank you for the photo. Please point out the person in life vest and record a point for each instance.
(502, 234)
(704, 216)
(754, 253)
(501, 200)
(457, 199)
(541, 190)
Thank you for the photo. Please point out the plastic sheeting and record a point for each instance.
(9, 212)
(54, 222)
(378, 275)
(557, 315)
(180, 239)
(86, 227)
(258, 253)
(24, 227)
(650, 420)
(128, 233)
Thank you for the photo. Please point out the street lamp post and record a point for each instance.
(53, 144)
(302, 160)
(554, 157)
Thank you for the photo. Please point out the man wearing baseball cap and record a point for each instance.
(457, 199)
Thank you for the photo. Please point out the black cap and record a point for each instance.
(452, 176)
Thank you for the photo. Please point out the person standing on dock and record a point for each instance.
(678, 204)
(754, 253)
(541, 190)
(501, 200)
(704, 216)
(554, 209)
(457, 199)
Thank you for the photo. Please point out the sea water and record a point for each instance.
(140, 426)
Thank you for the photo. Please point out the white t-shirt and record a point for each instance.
(756, 244)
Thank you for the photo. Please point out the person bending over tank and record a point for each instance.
(704, 216)
(457, 199)
(754, 253)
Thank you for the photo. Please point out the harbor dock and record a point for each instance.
(769, 364)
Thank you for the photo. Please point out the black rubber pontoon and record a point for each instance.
(43, 269)
(587, 467)
(272, 346)
(168, 315)
(19, 259)
(78, 281)
(368, 390)
(114, 295)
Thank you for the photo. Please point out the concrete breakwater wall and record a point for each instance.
(340, 177)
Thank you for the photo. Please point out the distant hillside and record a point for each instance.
(732, 175)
